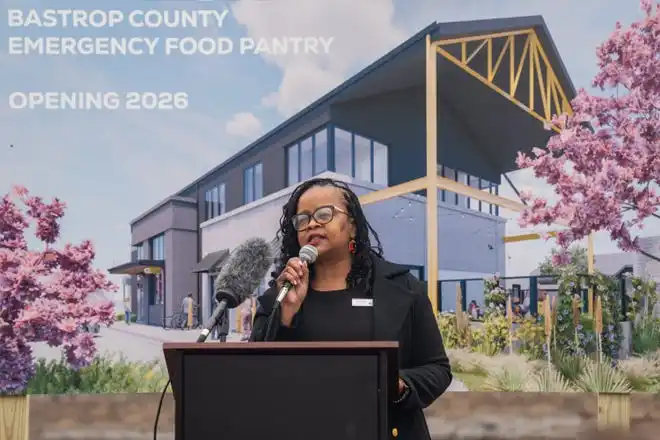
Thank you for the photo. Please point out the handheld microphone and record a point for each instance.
(239, 277)
(307, 254)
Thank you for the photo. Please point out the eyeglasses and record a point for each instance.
(322, 215)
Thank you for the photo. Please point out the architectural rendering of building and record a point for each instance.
(370, 132)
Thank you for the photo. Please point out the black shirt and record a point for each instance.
(338, 315)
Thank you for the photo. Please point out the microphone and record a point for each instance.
(239, 277)
(308, 254)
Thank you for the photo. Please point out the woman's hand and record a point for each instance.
(297, 273)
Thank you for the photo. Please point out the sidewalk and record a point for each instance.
(163, 335)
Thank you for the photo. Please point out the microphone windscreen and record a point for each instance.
(243, 272)
(308, 254)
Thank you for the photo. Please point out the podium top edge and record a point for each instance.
(248, 346)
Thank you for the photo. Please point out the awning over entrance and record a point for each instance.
(212, 262)
(139, 267)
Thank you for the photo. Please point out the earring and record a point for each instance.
(352, 246)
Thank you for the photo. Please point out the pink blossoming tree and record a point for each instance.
(44, 293)
(604, 164)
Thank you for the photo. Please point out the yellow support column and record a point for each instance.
(432, 173)
(590, 269)
(189, 318)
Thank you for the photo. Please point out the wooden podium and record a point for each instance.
(278, 390)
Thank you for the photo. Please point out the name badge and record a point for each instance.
(363, 302)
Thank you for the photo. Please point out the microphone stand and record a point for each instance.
(213, 321)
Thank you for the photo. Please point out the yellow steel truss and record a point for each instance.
(527, 237)
(477, 194)
(539, 75)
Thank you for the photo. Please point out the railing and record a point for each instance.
(525, 290)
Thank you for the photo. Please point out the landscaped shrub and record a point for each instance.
(646, 336)
(642, 298)
(568, 365)
(608, 290)
(599, 377)
(103, 375)
(494, 297)
(493, 337)
(643, 373)
(576, 334)
(453, 335)
(548, 380)
(531, 335)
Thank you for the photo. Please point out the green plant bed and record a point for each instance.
(473, 381)
(646, 336)
(104, 375)
(568, 373)
(121, 317)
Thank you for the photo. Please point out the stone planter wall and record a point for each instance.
(454, 416)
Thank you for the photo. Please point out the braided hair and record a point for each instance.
(361, 267)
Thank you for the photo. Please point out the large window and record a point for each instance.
(157, 245)
(307, 158)
(360, 157)
(461, 177)
(343, 152)
(473, 181)
(253, 183)
(448, 196)
(214, 199)
(140, 252)
(380, 163)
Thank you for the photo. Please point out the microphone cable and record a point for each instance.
(273, 319)
(160, 407)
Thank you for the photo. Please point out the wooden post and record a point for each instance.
(614, 411)
(190, 314)
(14, 417)
(509, 315)
(459, 298)
(432, 174)
(554, 314)
(598, 311)
(459, 307)
(547, 317)
(590, 270)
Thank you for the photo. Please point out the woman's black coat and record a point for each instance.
(403, 313)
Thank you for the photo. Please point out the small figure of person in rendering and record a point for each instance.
(351, 293)
(127, 310)
(187, 304)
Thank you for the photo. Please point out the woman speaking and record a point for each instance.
(321, 305)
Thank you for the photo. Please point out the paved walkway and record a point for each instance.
(144, 343)
(135, 342)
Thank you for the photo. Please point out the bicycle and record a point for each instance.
(179, 321)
